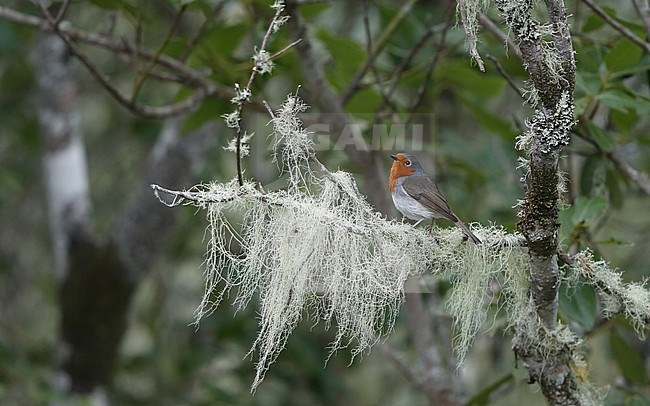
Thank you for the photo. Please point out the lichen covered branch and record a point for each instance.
(546, 348)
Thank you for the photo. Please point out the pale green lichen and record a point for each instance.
(469, 11)
(262, 61)
(318, 249)
(244, 146)
(471, 269)
(632, 299)
(548, 130)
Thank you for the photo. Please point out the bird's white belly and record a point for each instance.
(408, 206)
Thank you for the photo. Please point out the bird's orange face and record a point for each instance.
(402, 166)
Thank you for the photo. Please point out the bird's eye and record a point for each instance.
(407, 162)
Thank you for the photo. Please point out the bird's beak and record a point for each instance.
(393, 156)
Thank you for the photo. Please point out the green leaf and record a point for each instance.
(633, 25)
(592, 23)
(108, 4)
(628, 359)
(222, 40)
(471, 82)
(347, 57)
(581, 214)
(589, 83)
(579, 304)
(604, 139)
(620, 99)
(484, 396)
(615, 241)
(623, 55)
(625, 121)
(211, 109)
(313, 10)
(498, 124)
(589, 58)
(613, 182)
(636, 399)
(587, 174)
(588, 209)
(643, 66)
(363, 102)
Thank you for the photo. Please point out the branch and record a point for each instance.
(369, 48)
(193, 77)
(186, 75)
(505, 75)
(434, 62)
(491, 26)
(145, 72)
(414, 377)
(183, 197)
(618, 26)
(551, 67)
(65, 166)
(644, 12)
(626, 294)
(144, 226)
(354, 84)
(435, 378)
(640, 179)
(397, 73)
(262, 62)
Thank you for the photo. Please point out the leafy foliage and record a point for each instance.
(477, 116)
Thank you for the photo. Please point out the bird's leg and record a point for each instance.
(418, 222)
(433, 222)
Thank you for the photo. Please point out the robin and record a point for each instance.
(416, 196)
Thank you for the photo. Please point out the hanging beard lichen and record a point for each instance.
(317, 246)
(319, 249)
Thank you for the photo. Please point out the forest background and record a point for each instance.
(136, 96)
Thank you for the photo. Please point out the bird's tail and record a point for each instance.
(468, 232)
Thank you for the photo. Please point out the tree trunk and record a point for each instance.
(98, 280)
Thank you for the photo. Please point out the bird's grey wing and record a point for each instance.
(423, 190)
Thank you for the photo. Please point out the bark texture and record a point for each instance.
(102, 278)
(552, 73)
(98, 279)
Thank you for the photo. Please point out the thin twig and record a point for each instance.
(434, 62)
(170, 32)
(187, 76)
(505, 75)
(184, 197)
(397, 74)
(285, 49)
(142, 110)
(61, 12)
(201, 30)
(247, 90)
(413, 377)
(355, 83)
(314, 158)
(491, 26)
(373, 67)
(321, 94)
(590, 275)
(640, 179)
(618, 26)
(644, 12)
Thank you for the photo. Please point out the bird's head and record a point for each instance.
(403, 165)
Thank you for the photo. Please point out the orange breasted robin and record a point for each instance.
(416, 196)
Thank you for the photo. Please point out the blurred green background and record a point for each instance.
(472, 118)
